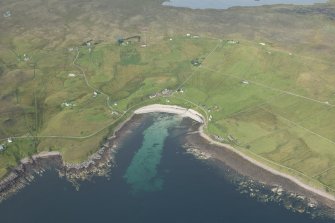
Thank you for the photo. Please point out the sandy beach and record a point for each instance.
(172, 109)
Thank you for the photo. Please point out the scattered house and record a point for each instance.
(71, 75)
(95, 93)
(70, 49)
(290, 54)
(195, 37)
(327, 103)
(126, 41)
(180, 90)
(2, 148)
(9, 140)
(68, 105)
(115, 104)
(7, 14)
(25, 57)
(263, 44)
(196, 62)
(166, 92)
(269, 52)
(245, 82)
(219, 138)
(188, 35)
(171, 39)
(144, 45)
(87, 43)
(233, 42)
(210, 118)
(152, 96)
(115, 113)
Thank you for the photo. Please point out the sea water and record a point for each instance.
(154, 180)
(224, 4)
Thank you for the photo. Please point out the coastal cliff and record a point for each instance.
(24, 173)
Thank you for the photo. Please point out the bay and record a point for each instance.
(155, 180)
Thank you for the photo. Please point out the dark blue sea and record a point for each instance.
(155, 181)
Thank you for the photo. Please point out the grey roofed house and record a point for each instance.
(2, 148)
(7, 14)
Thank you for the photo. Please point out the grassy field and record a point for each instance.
(271, 94)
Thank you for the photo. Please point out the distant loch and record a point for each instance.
(225, 4)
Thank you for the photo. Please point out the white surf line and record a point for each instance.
(272, 88)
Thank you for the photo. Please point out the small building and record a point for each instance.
(71, 75)
(263, 44)
(7, 14)
(245, 82)
(196, 62)
(68, 105)
(188, 34)
(152, 96)
(25, 57)
(233, 42)
(9, 140)
(2, 148)
(115, 113)
(180, 90)
(95, 93)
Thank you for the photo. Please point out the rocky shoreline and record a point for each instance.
(25, 172)
(255, 178)
(98, 164)
(256, 181)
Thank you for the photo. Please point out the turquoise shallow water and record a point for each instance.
(188, 190)
(142, 171)
(224, 4)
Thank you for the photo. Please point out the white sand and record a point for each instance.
(173, 109)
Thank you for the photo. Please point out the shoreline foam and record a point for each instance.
(172, 109)
(194, 115)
